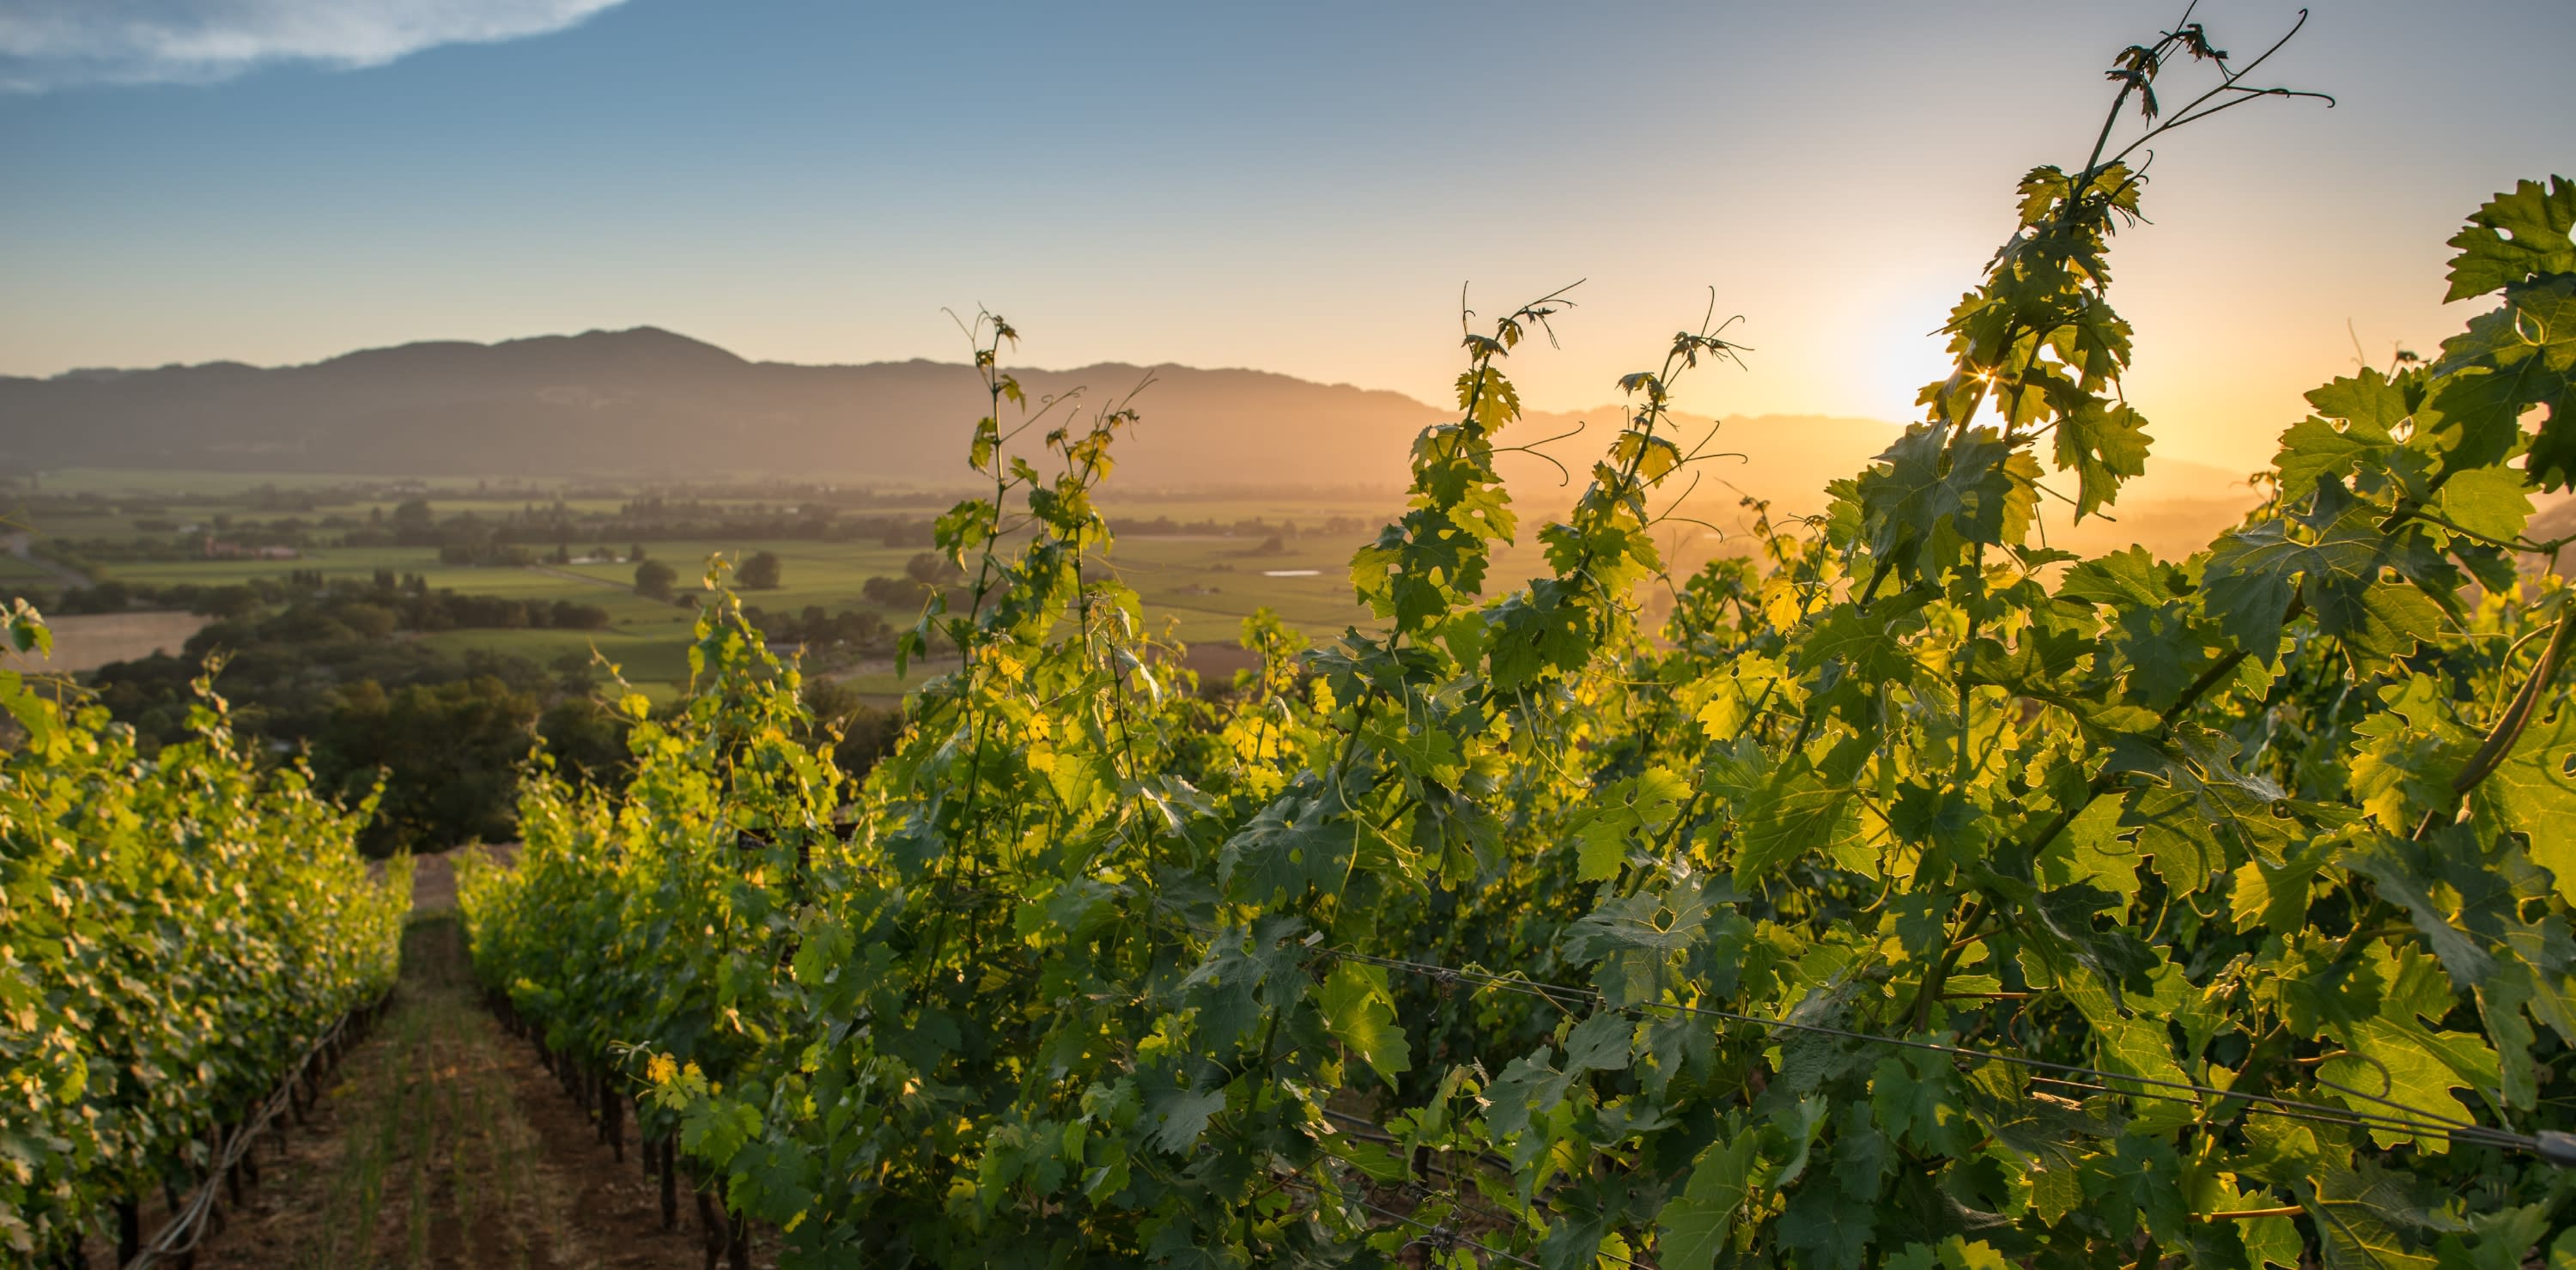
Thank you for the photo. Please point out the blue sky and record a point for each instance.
(1301, 188)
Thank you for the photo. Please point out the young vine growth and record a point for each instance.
(175, 932)
(1916, 894)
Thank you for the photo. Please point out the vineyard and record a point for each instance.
(1907, 892)
(181, 939)
(1916, 895)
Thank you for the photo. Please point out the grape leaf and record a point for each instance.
(1294, 843)
(1637, 808)
(2314, 450)
(2255, 572)
(1832, 1226)
(2274, 896)
(1529, 1085)
(1600, 1043)
(2092, 850)
(2490, 501)
(2104, 445)
(2399, 871)
(1543, 628)
(1914, 1097)
(2519, 233)
(2415, 1069)
(2272, 1241)
(1178, 1116)
(1243, 972)
(1781, 813)
(1360, 1013)
(2163, 648)
(2371, 404)
(2361, 1212)
(1489, 399)
(2532, 793)
(2502, 999)
(1864, 644)
(2129, 578)
(1694, 1226)
(716, 1128)
(2519, 356)
(2404, 757)
(1932, 484)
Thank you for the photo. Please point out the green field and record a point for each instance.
(1198, 587)
(13, 569)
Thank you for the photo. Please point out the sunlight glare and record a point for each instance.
(1908, 351)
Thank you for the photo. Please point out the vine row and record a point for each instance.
(2277, 826)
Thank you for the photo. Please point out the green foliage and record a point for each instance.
(443, 736)
(654, 579)
(447, 756)
(761, 572)
(174, 931)
(1465, 926)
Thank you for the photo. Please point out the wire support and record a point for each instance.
(2557, 1148)
(186, 1228)
(1436, 1236)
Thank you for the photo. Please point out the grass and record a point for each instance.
(350, 562)
(1209, 585)
(435, 1159)
(439, 1143)
(13, 569)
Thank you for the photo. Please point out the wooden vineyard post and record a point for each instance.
(670, 1181)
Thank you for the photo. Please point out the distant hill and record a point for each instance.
(1787, 460)
(647, 403)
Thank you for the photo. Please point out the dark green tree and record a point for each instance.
(654, 579)
(450, 756)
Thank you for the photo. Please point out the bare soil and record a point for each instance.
(433, 877)
(84, 642)
(443, 1142)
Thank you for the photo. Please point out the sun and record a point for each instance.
(1904, 347)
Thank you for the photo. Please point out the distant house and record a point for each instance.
(218, 549)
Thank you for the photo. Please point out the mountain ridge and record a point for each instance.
(649, 402)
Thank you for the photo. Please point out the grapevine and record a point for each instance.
(175, 934)
(1918, 894)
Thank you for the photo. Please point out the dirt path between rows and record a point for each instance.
(443, 1143)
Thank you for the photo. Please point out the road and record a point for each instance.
(22, 544)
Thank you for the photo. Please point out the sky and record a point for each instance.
(1304, 189)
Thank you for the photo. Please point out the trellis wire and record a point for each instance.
(2557, 1148)
(187, 1227)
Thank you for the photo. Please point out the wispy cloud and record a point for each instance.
(48, 44)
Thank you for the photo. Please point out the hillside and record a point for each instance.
(646, 402)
